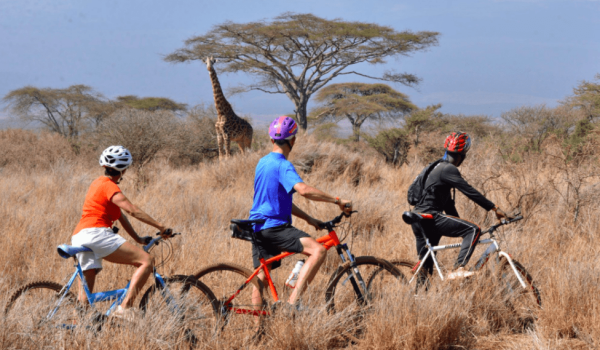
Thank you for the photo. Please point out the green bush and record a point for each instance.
(393, 144)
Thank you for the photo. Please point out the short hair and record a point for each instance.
(111, 172)
(281, 142)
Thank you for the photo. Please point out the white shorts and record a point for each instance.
(101, 240)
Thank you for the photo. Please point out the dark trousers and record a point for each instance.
(449, 226)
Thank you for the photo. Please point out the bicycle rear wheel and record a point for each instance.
(377, 278)
(186, 304)
(345, 288)
(238, 324)
(523, 302)
(39, 304)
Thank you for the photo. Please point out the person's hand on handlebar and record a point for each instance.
(345, 205)
(501, 214)
(166, 233)
(315, 223)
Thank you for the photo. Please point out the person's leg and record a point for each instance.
(454, 227)
(430, 232)
(90, 279)
(130, 254)
(316, 255)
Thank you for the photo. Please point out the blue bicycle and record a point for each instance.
(182, 299)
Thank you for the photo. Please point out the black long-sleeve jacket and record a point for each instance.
(436, 195)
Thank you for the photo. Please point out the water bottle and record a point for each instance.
(291, 281)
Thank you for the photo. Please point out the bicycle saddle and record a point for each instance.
(66, 251)
(412, 218)
(242, 229)
(247, 224)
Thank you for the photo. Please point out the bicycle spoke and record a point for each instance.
(183, 304)
(239, 325)
(523, 302)
(36, 305)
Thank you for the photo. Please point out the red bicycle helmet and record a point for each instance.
(458, 142)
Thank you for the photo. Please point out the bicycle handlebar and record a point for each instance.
(503, 222)
(329, 225)
(156, 240)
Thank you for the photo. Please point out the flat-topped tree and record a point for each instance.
(151, 103)
(64, 111)
(586, 97)
(298, 54)
(359, 102)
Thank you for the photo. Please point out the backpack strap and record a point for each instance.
(425, 176)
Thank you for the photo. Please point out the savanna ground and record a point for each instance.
(43, 184)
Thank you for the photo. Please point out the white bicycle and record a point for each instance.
(517, 288)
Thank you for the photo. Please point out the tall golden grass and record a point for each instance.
(42, 191)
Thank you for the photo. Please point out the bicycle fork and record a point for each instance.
(354, 274)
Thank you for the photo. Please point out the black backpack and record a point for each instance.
(416, 190)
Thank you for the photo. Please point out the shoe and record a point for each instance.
(459, 273)
(124, 314)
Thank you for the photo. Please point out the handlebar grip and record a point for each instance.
(520, 217)
(169, 232)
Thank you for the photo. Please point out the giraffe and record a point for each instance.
(229, 126)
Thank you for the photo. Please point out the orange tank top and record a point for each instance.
(98, 210)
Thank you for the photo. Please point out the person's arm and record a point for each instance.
(129, 229)
(297, 212)
(122, 202)
(452, 177)
(317, 195)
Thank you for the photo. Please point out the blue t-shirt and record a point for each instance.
(274, 182)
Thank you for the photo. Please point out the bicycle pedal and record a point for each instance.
(276, 305)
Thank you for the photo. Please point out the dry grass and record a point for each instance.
(42, 199)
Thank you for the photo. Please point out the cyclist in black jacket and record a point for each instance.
(437, 200)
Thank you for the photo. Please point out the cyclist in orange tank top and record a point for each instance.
(103, 206)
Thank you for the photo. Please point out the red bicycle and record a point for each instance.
(346, 286)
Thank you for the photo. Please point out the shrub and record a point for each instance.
(393, 144)
(143, 133)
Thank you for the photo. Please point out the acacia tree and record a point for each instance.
(298, 54)
(423, 120)
(64, 111)
(586, 97)
(359, 102)
(151, 103)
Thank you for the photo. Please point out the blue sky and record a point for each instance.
(492, 55)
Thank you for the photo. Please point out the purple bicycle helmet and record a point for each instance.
(283, 128)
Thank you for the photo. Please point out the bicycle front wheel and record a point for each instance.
(40, 304)
(350, 286)
(524, 302)
(377, 280)
(240, 322)
(186, 304)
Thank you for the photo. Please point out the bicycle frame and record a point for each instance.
(328, 241)
(117, 295)
(493, 248)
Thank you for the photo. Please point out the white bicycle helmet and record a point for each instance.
(116, 157)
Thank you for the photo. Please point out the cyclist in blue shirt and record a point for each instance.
(275, 183)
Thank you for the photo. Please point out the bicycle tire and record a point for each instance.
(31, 303)
(194, 311)
(404, 266)
(341, 293)
(224, 279)
(523, 302)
